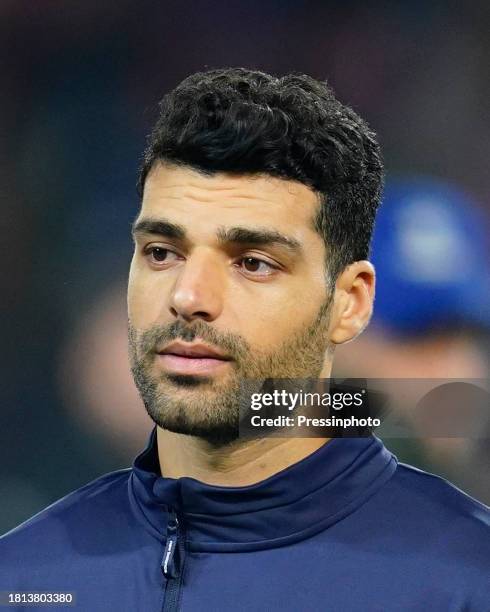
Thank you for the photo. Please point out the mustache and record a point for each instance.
(149, 340)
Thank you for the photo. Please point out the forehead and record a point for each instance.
(189, 197)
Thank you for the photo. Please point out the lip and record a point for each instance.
(197, 358)
(197, 350)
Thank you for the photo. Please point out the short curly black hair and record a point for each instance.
(244, 121)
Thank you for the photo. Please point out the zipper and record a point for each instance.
(173, 562)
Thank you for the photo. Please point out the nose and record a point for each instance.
(199, 288)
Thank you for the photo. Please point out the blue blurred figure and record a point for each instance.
(431, 312)
(431, 254)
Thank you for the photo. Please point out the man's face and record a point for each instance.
(233, 263)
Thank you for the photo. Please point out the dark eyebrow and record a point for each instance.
(234, 235)
(161, 227)
(258, 237)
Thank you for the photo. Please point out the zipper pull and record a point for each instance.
(168, 564)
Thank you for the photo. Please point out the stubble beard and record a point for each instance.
(208, 408)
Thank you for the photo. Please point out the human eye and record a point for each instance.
(256, 267)
(159, 255)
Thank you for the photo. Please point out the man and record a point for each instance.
(250, 262)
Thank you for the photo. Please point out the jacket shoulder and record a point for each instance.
(451, 522)
(426, 488)
(78, 507)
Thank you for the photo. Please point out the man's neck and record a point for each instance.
(236, 465)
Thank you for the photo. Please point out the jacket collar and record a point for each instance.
(297, 502)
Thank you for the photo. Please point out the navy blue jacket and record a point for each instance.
(346, 529)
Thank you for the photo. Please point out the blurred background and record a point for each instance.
(80, 83)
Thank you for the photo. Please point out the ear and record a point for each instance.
(353, 301)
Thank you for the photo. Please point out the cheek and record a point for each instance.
(267, 322)
(145, 300)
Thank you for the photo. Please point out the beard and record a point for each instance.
(209, 408)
